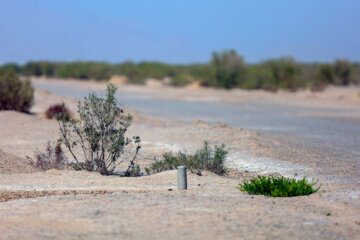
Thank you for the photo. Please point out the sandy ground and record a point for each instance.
(82, 205)
(13, 164)
(145, 208)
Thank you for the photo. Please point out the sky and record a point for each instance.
(182, 32)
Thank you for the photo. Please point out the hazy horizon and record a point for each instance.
(178, 32)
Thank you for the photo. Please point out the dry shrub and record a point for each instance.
(52, 158)
(57, 111)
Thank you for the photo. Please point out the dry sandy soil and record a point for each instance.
(81, 205)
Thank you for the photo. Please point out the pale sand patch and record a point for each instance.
(13, 164)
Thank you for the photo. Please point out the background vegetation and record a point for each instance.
(225, 70)
(15, 94)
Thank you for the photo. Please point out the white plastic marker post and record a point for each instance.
(182, 178)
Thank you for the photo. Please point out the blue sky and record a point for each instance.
(178, 31)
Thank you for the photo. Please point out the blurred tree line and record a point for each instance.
(226, 69)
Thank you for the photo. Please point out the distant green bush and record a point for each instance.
(206, 158)
(323, 76)
(278, 186)
(343, 72)
(274, 74)
(181, 79)
(228, 69)
(10, 66)
(15, 94)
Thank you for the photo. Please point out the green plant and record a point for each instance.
(284, 73)
(206, 158)
(99, 134)
(181, 80)
(228, 69)
(52, 158)
(15, 94)
(278, 186)
(343, 72)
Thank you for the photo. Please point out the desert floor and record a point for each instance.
(82, 205)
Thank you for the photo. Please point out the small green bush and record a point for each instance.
(99, 134)
(205, 158)
(278, 186)
(15, 94)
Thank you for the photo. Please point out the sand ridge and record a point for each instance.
(12, 164)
